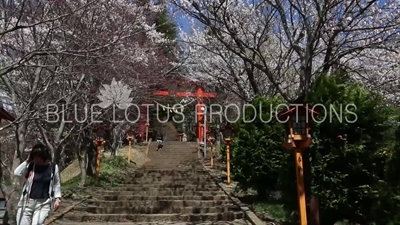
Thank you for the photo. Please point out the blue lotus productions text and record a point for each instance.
(214, 113)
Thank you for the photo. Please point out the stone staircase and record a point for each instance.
(172, 188)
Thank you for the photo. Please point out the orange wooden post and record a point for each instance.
(298, 139)
(300, 187)
(99, 142)
(211, 137)
(129, 151)
(228, 131)
(98, 163)
(228, 165)
(130, 137)
(147, 132)
(211, 155)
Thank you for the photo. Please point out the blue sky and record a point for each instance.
(183, 23)
(180, 20)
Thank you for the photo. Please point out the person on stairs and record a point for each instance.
(160, 140)
(42, 188)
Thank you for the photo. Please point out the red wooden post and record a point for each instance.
(200, 118)
(143, 119)
(141, 125)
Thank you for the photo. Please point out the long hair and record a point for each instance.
(41, 151)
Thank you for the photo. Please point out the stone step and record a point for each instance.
(173, 151)
(179, 146)
(170, 180)
(156, 210)
(172, 176)
(184, 173)
(160, 198)
(125, 187)
(171, 154)
(167, 164)
(159, 203)
(172, 188)
(235, 222)
(85, 217)
(156, 166)
(169, 173)
(176, 149)
(162, 193)
(159, 189)
(166, 170)
(172, 158)
(167, 161)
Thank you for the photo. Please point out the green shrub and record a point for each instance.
(352, 167)
(349, 175)
(257, 152)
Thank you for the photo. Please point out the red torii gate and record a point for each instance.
(199, 94)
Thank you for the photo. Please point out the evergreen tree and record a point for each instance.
(167, 26)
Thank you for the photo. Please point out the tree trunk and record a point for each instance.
(60, 157)
(2, 186)
(114, 142)
(113, 154)
(13, 197)
(82, 159)
(91, 160)
(58, 153)
(3, 190)
(83, 150)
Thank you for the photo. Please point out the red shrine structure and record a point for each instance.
(200, 94)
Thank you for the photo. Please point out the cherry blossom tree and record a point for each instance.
(379, 70)
(48, 59)
(286, 44)
(211, 62)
